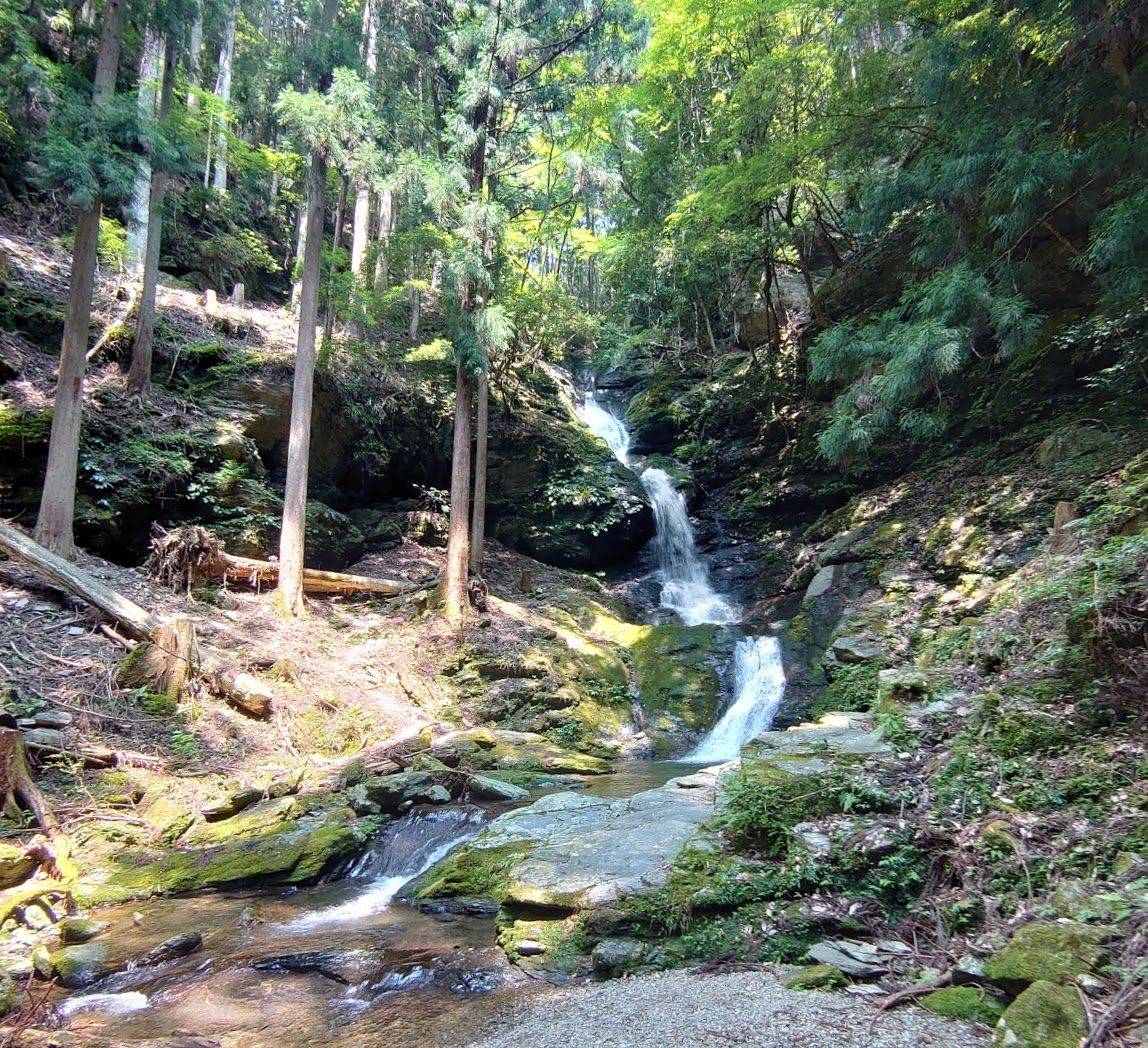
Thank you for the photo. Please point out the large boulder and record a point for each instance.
(1045, 952)
(1044, 1016)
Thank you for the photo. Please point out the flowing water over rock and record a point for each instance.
(335, 964)
(687, 590)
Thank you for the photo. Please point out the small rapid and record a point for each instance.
(406, 848)
(688, 591)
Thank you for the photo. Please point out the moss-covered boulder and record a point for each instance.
(492, 749)
(1044, 1016)
(9, 995)
(76, 930)
(251, 822)
(964, 1002)
(15, 865)
(1045, 952)
(78, 966)
(676, 675)
(294, 852)
(815, 977)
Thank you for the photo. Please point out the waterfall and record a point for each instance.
(406, 848)
(687, 590)
(759, 684)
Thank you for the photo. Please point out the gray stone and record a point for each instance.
(821, 584)
(902, 685)
(58, 719)
(860, 960)
(396, 793)
(856, 650)
(614, 957)
(49, 738)
(530, 948)
(495, 790)
(814, 840)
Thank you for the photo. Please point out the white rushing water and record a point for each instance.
(759, 684)
(688, 591)
(406, 848)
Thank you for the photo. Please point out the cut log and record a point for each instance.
(236, 687)
(191, 555)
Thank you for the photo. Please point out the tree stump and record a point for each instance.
(164, 664)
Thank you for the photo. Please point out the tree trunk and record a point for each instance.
(299, 445)
(147, 104)
(139, 374)
(478, 510)
(454, 579)
(194, 60)
(223, 90)
(360, 228)
(300, 252)
(58, 502)
(386, 227)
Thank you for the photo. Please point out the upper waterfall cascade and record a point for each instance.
(688, 591)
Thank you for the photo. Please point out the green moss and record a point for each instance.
(964, 1002)
(292, 853)
(1045, 952)
(470, 872)
(564, 940)
(1044, 1016)
(815, 977)
(675, 669)
(19, 426)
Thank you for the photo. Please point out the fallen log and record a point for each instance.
(191, 555)
(238, 688)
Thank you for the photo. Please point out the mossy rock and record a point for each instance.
(815, 977)
(964, 1002)
(470, 872)
(77, 966)
(22, 426)
(260, 818)
(9, 995)
(16, 865)
(292, 853)
(676, 674)
(1045, 952)
(1044, 1016)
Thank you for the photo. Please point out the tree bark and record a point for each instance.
(386, 227)
(223, 91)
(147, 104)
(299, 444)
(454, 580)
(360, 227)
(139, 374)
(478, 510)
(58, 501)
(195, 60)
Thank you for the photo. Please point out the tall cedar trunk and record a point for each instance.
(291, 538)
(454, 579)
(223, 90)
(337, 242)
(386, 227)
(361, 224)
(301, 226)
(290, 594)
(195, 59)
(147, 102)
(360, 227)
(478, 511)
(139, 374)
(58, 502)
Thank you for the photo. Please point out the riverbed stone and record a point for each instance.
(569, 851)
(488, 789)
(814, 977)
(860, 960)
(294, 852)
(615, 957)
(78, 966)
(257, 819)
(75, 930)
(395, 793)
(856, 650)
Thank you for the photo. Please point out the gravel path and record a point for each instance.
(714, 1011)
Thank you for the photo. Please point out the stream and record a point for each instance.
(348, 963)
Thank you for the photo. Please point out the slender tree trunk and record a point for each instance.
(223, 90)
(386, 227)
(139, 374)
(454, 577)
(291, 540)
(58, 502)
(360, 227)
(300, 251)
(478, 510)
(147, 104)
(195, 60)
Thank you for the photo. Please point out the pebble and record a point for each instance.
(714, 1011)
